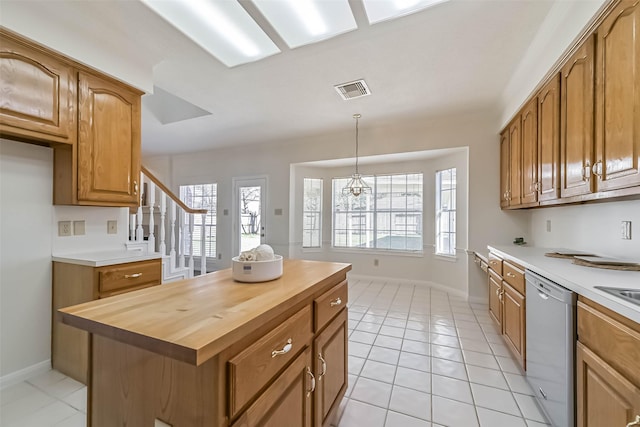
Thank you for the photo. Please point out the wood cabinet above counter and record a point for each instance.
(91, 121)
(578, 139)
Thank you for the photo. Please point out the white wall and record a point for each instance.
(486, 222)
(592, 227)
(26, 182)
(28, 238)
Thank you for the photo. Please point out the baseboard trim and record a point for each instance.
(24, 374)
(425, 283)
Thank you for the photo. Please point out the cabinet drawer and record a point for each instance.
(614, 342)
(514, 276)
(495, 264)
(255, 366)
(327, 305)
(116, 279)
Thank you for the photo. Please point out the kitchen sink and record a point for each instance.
(631, 295)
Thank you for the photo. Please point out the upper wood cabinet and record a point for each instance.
(529, 168)
(515, 162)
(618, 99)
(549, 139)
(576, 137)
(91, 121)
(38, 93)
(108, 142)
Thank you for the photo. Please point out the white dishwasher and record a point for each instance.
(551, 338)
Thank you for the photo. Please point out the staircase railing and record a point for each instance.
(174, 216)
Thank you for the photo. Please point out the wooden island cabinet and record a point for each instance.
(210, 351)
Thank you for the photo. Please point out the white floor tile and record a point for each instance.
(485, 376)
(414, 379)
(518, 384)
(24, 406)
(355, 364)
(395, 419)
(77, 420)
(495, 398)
(481, 346)
(444, 330)
(480, 359)
(398, 323)
(16, 392)
(489, 418)
(372, 392)
(447, 353)
(378, 371)
(386, 355)
(388, 342)
(392, 331)
(415, 361)
(446, 340)
(46, 379)
(373, 328)
(449, 368)
(49, 415)
(411, 402)
(453, 413)
(359, 349)
(507, 364)
(358, 414)
(416, 347)
(352, 382)
(413, 335)
(77, 399)
(362, 337)
(451, 388)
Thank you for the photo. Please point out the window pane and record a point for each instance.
(312, 213)
(201, 196)
(446, 212)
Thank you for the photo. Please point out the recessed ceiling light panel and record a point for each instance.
(378, 11)
(301, 22)
(222, 28)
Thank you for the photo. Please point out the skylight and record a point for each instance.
(222, 28)
(378, 11)
(301, 22)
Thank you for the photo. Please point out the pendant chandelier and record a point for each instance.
(356, 184)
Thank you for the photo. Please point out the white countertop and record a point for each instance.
(103, 258)
(579, 279)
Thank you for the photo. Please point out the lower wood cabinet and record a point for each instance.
(607, 368)
(288, 401)
(513, 321)
(495, 298)
(330, 351)
(74, 284)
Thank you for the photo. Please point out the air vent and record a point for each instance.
(352, 90)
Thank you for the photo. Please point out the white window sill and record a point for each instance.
(444, 257)
(415, 254)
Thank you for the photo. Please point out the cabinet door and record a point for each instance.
(515, 162)
(108, 143)
(504, 169)
(604, 397)
(287, 402)
(330, 353)
(38, 94)
(618, 98)
(529, 167)
(549, 139)
(513, 321)
(576, 138)
(495, 299)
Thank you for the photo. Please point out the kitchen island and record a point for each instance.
(210, 351)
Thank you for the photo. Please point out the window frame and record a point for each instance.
(211, 214)
(439, 211)
(375, 211)
(317, 212)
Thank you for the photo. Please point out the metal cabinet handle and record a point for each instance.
(510, 274)
(597, 168)
(132, 276)
(586, 172)
(498, 293)
(286, 349)
(324, 366)
(500, 296)
(636, 422)
(313, 382)
(335, 302)
(135, 188)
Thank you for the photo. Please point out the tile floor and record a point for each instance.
(418, 357)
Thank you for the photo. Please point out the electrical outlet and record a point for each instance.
(112, 227)
(78, 228)
(376, 262)
(64, 228)
(219, 255)
(548, 226)
(626, 230)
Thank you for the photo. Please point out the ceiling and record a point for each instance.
(454, 57)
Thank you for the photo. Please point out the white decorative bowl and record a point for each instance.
(256, 271)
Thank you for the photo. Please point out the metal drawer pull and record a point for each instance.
(335, 302)
(324, 366)
(497, 292)
(313, 382)
(635, 423)
(132, 276)
(500, 295)
(510, 274)
(286, 349)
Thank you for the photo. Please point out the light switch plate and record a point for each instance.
(64, 228)
(112, 227)
(626, 230)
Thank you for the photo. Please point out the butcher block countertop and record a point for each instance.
(193, 320)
